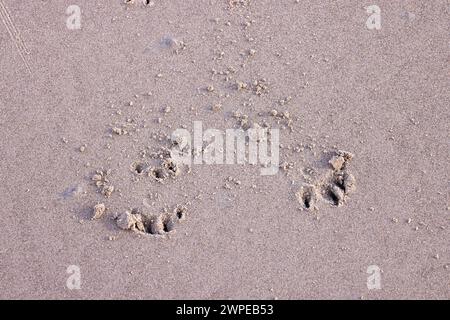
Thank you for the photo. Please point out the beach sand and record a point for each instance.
(106, 96)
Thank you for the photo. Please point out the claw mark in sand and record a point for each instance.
(14, 34)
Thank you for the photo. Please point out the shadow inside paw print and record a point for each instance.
(307, 196)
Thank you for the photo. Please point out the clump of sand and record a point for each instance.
(99, 210)
(101, 180)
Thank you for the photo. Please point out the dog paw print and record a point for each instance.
(138, 221)
(334, 188)
(167, 168)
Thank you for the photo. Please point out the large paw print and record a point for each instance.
(142, 222)
(333, 188)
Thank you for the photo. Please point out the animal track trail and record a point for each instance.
(334, 187)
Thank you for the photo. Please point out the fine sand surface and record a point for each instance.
(65, 112)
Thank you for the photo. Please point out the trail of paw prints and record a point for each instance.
(333, 188)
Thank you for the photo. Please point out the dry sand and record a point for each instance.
(84, 112)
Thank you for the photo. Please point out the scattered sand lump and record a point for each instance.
(242, 120)
(126, 128)
(282, 116)
(99, 210)
(238, 3)
(107, 191)
(119, 131)
(340, 160)
(101, 181)
(130, 221)
(241, 85)
(260, 87)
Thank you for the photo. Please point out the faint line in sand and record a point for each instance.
(8, 16)
(14, 34)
